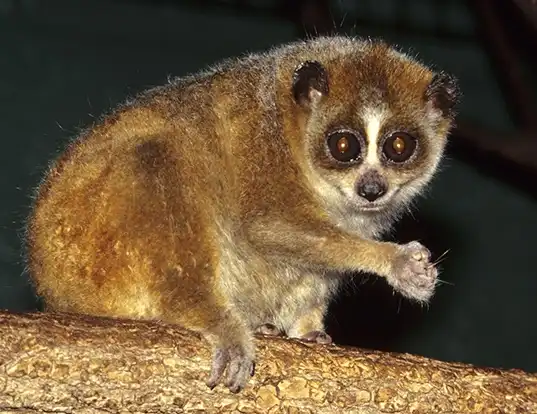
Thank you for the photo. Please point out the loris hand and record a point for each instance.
(414, 276)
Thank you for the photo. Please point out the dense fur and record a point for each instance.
(210, 202)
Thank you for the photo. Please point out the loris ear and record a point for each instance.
(310, 83)
(443, 93)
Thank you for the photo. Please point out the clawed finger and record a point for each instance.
(220, 361)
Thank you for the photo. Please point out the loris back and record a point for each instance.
(235, 199)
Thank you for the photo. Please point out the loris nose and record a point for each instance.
(371, 190)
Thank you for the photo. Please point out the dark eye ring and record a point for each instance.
(399, 146)
(344, 145)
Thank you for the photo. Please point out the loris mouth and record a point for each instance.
(384, 204)
(372, 208)
(358, 205)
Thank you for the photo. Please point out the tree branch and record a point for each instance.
(69, 363)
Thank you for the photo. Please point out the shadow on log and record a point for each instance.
(69, 363)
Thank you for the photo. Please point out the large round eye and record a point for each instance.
(344, 146)
(399, 146)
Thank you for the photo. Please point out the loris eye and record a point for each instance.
(344, 146)
(399, 146)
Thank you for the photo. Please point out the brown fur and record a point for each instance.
(200, 202)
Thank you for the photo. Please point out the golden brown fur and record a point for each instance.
(208, 202)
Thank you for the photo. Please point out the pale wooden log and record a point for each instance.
(68, 363)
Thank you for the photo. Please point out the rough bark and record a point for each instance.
(68, 363)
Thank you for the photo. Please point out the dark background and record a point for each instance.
(64, 62)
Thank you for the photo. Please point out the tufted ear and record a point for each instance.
(443, 93)
(310, 83)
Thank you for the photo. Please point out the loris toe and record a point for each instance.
(318, 337)
(269, 330)
(241, 367)
(220, 361)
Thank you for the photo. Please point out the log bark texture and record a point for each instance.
(78, 364)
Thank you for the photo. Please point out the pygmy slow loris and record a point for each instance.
(238, 198)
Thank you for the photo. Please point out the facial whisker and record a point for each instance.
(444, 282)
(443, 255)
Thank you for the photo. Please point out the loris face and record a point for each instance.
(375, 128)
(371, 170)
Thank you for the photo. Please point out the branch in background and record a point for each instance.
(518, 148)
(529, 9)
(506, 61)
(507, 157)
(69, 363)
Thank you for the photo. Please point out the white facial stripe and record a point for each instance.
(373, 121)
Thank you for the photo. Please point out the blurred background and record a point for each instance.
(64, 62)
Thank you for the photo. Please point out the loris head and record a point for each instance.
(373, 124)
